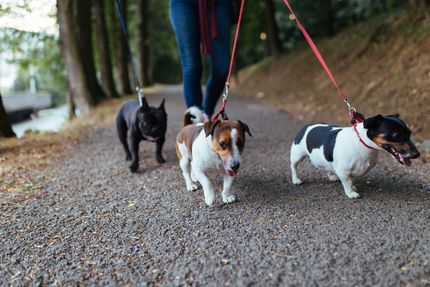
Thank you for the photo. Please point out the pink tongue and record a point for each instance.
(405, 161)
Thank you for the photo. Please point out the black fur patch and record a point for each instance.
(323, 136)
(301, 134)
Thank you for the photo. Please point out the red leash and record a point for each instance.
(227, 83)
(354, 116)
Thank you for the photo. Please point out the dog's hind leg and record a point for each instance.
(121, 128)
(297, 155)
(185, 166)
(332, 176)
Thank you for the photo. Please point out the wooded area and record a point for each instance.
(96, 60)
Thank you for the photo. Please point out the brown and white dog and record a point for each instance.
(202, 147)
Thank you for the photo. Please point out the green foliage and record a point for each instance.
(39, 52)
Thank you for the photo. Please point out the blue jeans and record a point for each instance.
(184, 15)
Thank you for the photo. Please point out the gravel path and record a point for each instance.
(94, 223)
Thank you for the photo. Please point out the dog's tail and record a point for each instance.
(194, 116)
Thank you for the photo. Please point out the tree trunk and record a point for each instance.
(103, 48)
(78, 85)
(143, 52)
(326, 18)
(82, 13)
(273, 31)
(419, 4)
(5, 127)
(121, 50)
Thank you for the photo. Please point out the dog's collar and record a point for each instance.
(359, 137)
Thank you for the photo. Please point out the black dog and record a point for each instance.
(141, 123)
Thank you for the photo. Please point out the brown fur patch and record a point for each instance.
(188, 135)
(402, 148)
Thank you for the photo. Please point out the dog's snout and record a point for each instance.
(415, 154)
(235, 166)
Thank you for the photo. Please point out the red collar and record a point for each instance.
(359, 137)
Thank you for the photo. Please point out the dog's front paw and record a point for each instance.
(297, 181)
(228, 198)
(210, 199)
(160, 159)
(352, 194)
(192, 187)
(134, 167)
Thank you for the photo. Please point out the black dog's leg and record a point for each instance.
(158, 153)
(134, 154)
(121, 128)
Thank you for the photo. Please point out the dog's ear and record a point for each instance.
(161, 107)
(144, 107)
(245, 128)
(210, 127)
(373, 121)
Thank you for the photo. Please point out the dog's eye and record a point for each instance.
(223, 145)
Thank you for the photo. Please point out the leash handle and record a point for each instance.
(230, 69)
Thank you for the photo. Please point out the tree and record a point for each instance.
(5, 127)
(143, 52)
(326, 18)
(78, 85)
(121, 51)
(419, 4)
(82, 15)
(103, 49)
(273, 31)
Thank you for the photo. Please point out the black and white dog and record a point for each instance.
(349, 153)
(137, 123)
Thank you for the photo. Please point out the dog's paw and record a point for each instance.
(332, 177)
(210, 200)
(128, 157)
(297, 181)
(228, 198)
(134, 168)
(160, 159)
(353, 194)
(192, 188)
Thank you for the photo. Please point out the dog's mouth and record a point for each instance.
(402, 159)
(151, 138)
(231, 172)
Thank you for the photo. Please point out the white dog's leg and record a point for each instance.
(348, 187)
(296, 156)
(185, 166)
(227, 197)
(208, 189)
(332, 176)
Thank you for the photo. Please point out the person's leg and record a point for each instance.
(220, 56)
(185, 21)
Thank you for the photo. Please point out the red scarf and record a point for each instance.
(207, 23)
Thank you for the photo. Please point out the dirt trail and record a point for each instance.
(95, 223)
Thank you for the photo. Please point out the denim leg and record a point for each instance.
(185, 21)
(220, 57)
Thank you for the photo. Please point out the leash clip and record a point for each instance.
(141, 95)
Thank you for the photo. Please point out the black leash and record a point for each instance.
(139, 89)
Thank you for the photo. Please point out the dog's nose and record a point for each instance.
(235, 166)
(415, 154)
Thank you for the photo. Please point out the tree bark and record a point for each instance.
(5, 127)
(326, 18)
(82, 13)
(143, 52)
(273, 31)
(104, 50)
(122, 60)
(77, 81)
